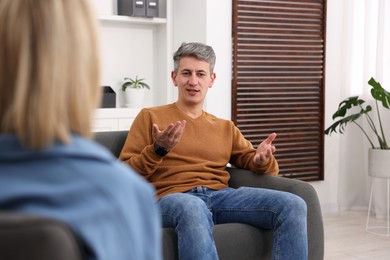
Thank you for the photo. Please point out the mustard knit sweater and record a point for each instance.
(207, 145)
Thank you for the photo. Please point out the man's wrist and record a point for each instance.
(159, 150)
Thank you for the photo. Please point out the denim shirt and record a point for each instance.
(107, 204)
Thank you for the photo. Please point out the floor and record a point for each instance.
(346, 238)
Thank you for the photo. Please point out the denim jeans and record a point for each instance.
(194, 213)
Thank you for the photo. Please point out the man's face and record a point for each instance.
(193, 80)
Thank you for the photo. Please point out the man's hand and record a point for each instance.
(170, 136)
(265, 149)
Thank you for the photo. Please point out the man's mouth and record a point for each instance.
(193, 90)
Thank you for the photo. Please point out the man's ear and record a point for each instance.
(173, 77)
(213, 77)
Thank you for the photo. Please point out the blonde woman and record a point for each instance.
(49, 86)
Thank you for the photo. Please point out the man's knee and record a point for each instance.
(297, 206)
(183, 204)
(186, 209)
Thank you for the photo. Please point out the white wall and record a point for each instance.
(328, 189)
(219, 24)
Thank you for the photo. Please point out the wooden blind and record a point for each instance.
(278, 80)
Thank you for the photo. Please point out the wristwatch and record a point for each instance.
(159, 150)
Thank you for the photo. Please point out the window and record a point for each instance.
(278, 80)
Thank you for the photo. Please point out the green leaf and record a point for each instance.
(379, 93)
(134, 83)
(347, 104)
(340, 125)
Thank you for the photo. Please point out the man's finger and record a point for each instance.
(155, 129)
(271, 138)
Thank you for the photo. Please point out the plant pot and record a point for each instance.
(379, 163)
(134, 97)
(379, 169)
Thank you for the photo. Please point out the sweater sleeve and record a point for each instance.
(138, 149)
(243, 153)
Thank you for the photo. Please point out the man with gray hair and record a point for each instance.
(183, 151)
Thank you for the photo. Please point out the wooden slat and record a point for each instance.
(278, 79)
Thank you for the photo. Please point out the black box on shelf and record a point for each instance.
(109, 98)
(132, 7)
(152, 8)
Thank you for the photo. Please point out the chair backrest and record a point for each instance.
(25, 236)
(112, 140)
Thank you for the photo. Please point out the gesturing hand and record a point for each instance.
(265, 149)
(170, 136)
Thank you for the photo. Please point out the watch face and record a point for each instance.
(160, 150)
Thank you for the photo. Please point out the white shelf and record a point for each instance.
(114, 119)
(133, 20)
(116, 112)
(133, 46)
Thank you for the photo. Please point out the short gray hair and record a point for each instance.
(197, 50)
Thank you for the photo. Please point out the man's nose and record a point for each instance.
(193, 80)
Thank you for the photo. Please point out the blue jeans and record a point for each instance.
(194, 213)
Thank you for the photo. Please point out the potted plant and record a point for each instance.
(379, 154)
(134, 90)
(380, 95)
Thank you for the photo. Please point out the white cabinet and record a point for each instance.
(137, 46)
(130, 47)
(113, 119)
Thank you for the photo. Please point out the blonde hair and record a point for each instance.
(49, 70)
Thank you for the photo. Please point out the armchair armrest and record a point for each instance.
(315, 227)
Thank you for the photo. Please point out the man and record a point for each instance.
(183, 151)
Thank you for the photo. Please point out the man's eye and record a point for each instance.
(201, 74)
(185, 73)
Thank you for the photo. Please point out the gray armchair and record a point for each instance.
(240, 241)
